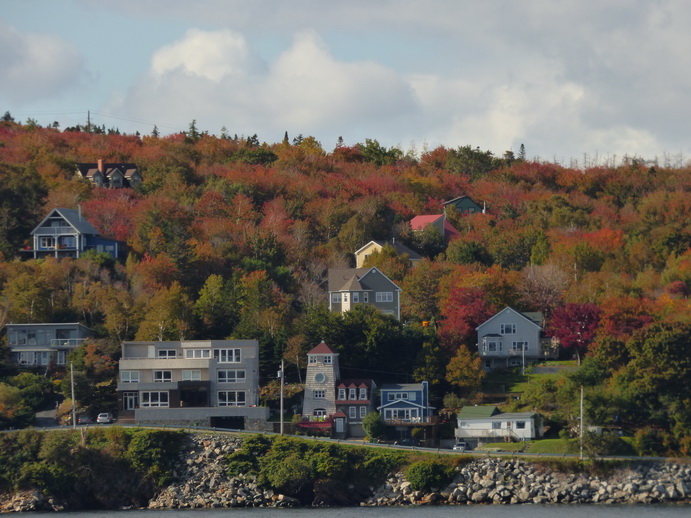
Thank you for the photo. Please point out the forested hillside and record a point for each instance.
(230, 237)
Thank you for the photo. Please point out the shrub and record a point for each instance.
(426, 475)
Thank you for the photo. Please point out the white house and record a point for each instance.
(483, 424)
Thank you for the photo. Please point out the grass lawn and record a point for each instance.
(555, 446)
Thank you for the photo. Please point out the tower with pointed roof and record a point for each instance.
(320, 382)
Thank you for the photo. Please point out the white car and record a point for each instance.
(104, 418)
(460, 446)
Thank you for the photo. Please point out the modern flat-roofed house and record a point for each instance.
(512, 339)
(352, 286)
(44, 344)
(66, 233)
(485, 424)
(192, 382)
(111, 175)
(364, 252)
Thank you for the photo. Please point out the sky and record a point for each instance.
(574, 81)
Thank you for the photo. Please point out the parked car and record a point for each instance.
(104, 418)
(460, 446)
(84, 419)
(407, 441)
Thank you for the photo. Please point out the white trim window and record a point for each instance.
(507, 329)
(167, 353)
(345, 297)
(230, 376)
(520, 425)
(520, 346)
(163, 376)
(227, 355)
(155, 399)
(363, 394)
(191, 375)
(328, 359)
(198, 353)
(384, 296)
(352, 393)
(319, 394)
(341, 394)
(356, 297)
(47, 242)
(363, 412)
(393, 396)
(352, 412)
(129, 376)
(335, 298)
(365, 297)
(312, 358)
(232, 398)
(319, 412)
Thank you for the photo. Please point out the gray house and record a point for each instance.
(193, 382)
(511, 339)
(463, 205)
(111, 175)
(66, 233)
(352, 286)
(44, 344)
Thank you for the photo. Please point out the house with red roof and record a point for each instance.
(438, 221)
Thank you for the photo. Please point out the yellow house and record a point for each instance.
(362, 254)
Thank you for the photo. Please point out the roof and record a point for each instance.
(402, 386)
(322, 348)
(420, 222)
(74, 218)
(470, 412)
(89, 168)
(355, 383)
(351, 279)
(398, 246)
(536, 318)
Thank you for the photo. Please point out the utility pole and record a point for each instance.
(281, 375)
(74, 412)
(581, 422)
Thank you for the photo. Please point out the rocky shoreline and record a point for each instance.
(202, 483)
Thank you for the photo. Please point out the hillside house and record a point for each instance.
(352, 286)
(34, 345)
(363, 253)
(109, 175)
(66, 233)
(513, 339)
(463, 205)
(438, 221)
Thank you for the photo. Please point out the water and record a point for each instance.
(464, 511)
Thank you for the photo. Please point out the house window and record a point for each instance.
(336, 298)
(319, 394)
(153, 399)
(352, 393)
(507, 329)
(319, 412)
(496, 425)
(230, 376)
(363, 412)
(231, 398)
(365, 297)
(194, 375)
(167, 353)
(384, 296)
(398, 395)
(227, 355)
(356, 297)
(341, 394)
(47, 242)
(129, 376)
(61, 360)
(312, 359)
(198, 353)
(352, 412)
(515, 362)
(520, 425)
(520, 346)
(345, 297)
(363, 394)
(327, 360)
(493, 346)
(163, 376)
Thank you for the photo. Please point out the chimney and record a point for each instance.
(100, 165)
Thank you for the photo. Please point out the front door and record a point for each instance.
(130, 400)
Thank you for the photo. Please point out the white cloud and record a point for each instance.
(35, 66)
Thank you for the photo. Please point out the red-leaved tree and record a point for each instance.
(575, 326)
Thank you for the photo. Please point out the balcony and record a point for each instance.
(413, 421)
(61, 343)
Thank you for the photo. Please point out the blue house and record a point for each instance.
(66, 233)
(405, 403)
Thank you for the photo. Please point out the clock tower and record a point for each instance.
(320, 382)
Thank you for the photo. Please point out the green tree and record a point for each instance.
(465, 370)
(374, 426)
(167, 315)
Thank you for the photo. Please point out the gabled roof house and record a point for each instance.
(364, 252)
(349, 287)
(438, 221)
(112, 175)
